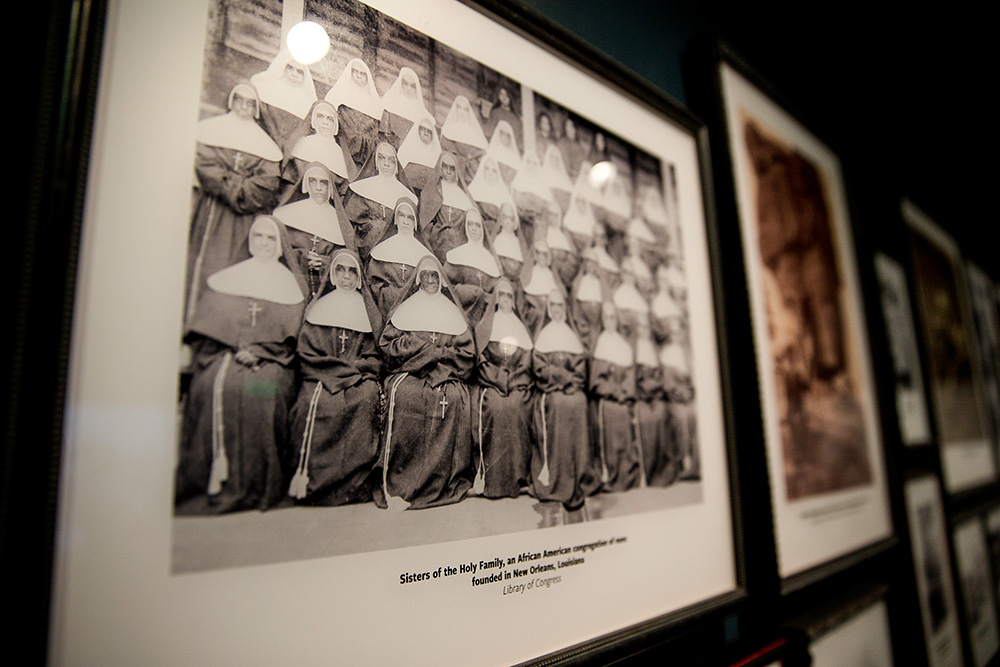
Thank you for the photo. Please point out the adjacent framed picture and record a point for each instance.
(911, 407)
(976, 580)
(956, 387)
(239, 486)
(862, 639)
(823, 439)
(932, 566)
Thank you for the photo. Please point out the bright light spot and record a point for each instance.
(308, 42)
(601, 174)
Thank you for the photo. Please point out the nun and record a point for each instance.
(579, 222)
(509, 246)
(531, 193)
(393, 260)
(655, 426)
(419, 153)
(503, 148)
(462, 135)
(539, 282)
(562, 463)
(335, 428)
(574, 153)
(443, 203)
(501, 418)
(490, 193)
(359, 109)
(371, 200)
(556, 177)
(586, 299)
(402, 106)
(235, 421)
(317, 226)
(631, 304)
(565, 260)
(472, 269)
(237, 167)
(675, 360)
(287, 93)
(430, 356)
(317, 140)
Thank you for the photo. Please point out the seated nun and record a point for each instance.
(235, 424)
(611, 386)
(501, 417)
(334, 428)
(430, 356)
(655, 428)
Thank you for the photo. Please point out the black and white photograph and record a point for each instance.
(932, 566)
(957, 392)
(498, 339)
(821, 423)
(403, 342)
(911, 408)
(976, 583)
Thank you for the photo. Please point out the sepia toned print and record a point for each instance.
(470, 327)
(821, 424)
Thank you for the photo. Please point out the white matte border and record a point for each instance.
(115, 601)
(855, 517)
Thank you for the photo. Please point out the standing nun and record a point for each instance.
(237, 166)
(612, 389)
(501, 417)
(562, 464)
(371, 200)
(287, 93)
(462, 134)
(586, 299)
(490, 193)
(359, 108)
(539, 282)
(443, 203)
(316, 140)
(242, 334)
(394, 259)
(509, 246)
(419, 153)
(504, 149)
(317, 226)
(402, 106)
(335, 425)
(430, 356)
(472, 269)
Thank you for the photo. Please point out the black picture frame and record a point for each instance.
(704, 615)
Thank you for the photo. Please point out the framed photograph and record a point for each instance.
(862, 639)
(822, 435)
(911, 408)
(972, 557)
(932, 565)
(967, 456)
(982, 296)
(253, 472)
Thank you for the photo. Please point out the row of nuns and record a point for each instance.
(373, 340)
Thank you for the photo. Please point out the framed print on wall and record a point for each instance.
(932, 566)
(976, 583)
(967, 456)
(823, 441)
(400, 118)
(911, 408)
(982, 298)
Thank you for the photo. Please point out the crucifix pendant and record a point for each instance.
(315, 242)
(402, 269)
(343, 339)
(443, 403)
(434, 338)
(236, 161)
(254, 309)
